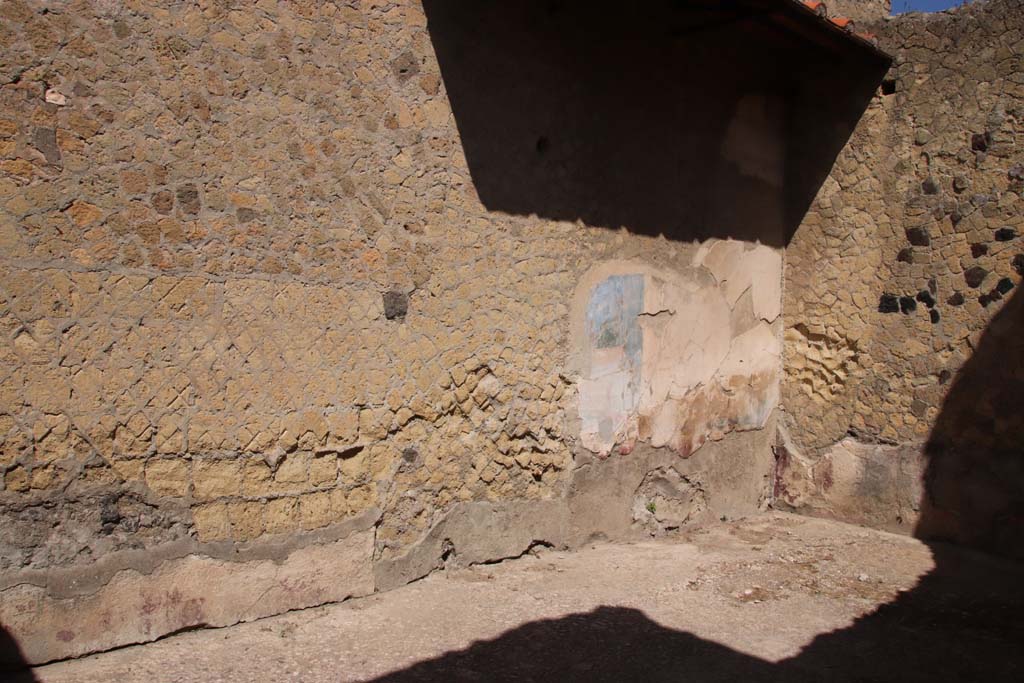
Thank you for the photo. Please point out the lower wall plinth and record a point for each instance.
(181, 593)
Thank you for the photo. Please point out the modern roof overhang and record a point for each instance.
(809, 19)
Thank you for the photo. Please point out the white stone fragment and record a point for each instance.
(54, 97)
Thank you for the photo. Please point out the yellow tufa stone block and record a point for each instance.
(246, 520)
(129, 470)
(213, 479)
(294, 469)
(339, 503)
(16, 480)
(343, 429)
(355, 466)
(135, 182)
(257, 479)
(44, 477)
(374, 423)
(280, 515)
(361, 498)
(323, 470)
(211, 522)
(167, 477)
(315, 510)
(84, 213)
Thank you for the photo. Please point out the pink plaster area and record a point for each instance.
(704, 367)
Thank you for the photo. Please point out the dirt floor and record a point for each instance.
(774, 597)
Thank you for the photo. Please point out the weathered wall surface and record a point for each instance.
(264, 347)
(673, 358)
(861, 12)
(903, 323)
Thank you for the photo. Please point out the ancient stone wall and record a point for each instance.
(861, 12)
(903, 355)
(263, 346)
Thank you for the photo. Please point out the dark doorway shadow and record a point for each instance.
(691, 119)
(974, 481)
(13, 667)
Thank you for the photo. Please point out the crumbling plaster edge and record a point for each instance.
(478, 532)
(467, 534)
(84, 579)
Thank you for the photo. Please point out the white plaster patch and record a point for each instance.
(657, 354)
(54, 97)
(684, 348)
(755, 351)
(738, 267)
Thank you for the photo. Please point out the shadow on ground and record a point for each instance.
(959, 624)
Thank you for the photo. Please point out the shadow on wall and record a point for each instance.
(974, 480)
(691, 119)
(12, 661)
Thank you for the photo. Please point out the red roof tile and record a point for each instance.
(817, 7)
(843, 23)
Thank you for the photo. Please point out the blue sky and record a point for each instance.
(899, 6)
